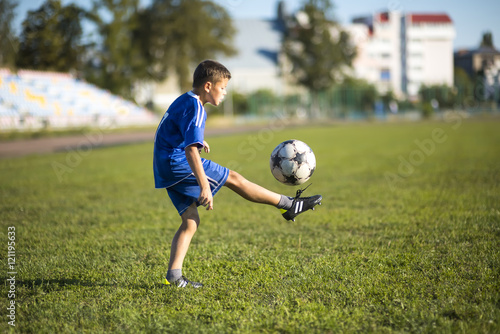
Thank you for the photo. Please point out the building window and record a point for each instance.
(385, 75)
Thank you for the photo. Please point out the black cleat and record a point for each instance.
(183, 282)
(301, 204)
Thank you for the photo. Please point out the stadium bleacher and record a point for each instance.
(35, 100)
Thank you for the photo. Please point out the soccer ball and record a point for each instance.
(292, 162)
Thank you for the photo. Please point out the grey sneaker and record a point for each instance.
(183, 282)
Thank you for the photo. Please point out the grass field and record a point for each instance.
(407, 238)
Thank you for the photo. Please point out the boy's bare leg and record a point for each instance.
(182, 239)
(291, 206)
(251, 191)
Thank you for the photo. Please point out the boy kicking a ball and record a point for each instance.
(192, 181)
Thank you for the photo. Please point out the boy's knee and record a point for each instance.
(234, 178)
(189, 216)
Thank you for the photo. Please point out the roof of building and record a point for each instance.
(383, 17)
(429, 18)
(257, 42)
(481, 50)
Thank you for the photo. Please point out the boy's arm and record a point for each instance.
(194, 160)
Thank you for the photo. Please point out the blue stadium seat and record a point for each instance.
(58, 95)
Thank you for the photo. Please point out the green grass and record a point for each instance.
(388, 251)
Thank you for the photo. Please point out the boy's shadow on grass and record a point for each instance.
(56, 284)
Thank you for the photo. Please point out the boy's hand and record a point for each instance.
(206, 199)
(206, 147)
(193, 157)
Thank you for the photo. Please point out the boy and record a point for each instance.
(192, 181)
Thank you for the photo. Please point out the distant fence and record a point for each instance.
(361, 103)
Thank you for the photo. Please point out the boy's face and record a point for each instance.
(216, 92)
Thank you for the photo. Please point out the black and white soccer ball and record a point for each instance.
(292, 162)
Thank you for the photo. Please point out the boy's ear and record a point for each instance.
(207, 86)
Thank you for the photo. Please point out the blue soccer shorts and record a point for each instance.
(187, 191)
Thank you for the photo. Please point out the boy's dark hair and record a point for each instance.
(210, 70)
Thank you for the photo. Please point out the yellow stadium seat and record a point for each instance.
(13, 88)
(57, 109)
(40, 99)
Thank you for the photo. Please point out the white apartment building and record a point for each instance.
(400, 52)
(378, 42)
(427, 51)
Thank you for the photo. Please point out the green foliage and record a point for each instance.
(406, 104)
(388, 97)
(8, 40)
(418, 254)
(262, 102)
(51, 38)
(240, 103)
(317, 57)
(487, 40)
(427, 110)
(135, 44)
(464, 85)
(444, 95)
(180, 34)
(354, 94)
(117, 61)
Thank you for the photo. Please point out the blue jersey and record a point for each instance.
(182, 125)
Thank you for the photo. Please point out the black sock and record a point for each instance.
(285, 202)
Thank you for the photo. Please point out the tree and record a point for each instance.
(115, 61)
(135, 43)
(146, 44)
(442, 95)
(464, 86)
(317, 48)
(51, 38)
(487, 40)
(175, 35)
(8, 41)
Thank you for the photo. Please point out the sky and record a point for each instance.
(471, 18)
